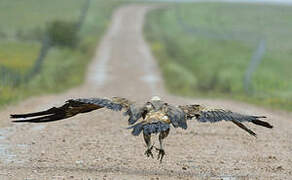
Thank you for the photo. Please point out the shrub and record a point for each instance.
(63, 33)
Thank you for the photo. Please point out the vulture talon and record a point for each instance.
(149, 153)
(161, 154)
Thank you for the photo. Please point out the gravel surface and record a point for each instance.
(97, 145)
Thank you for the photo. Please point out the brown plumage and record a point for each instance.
(155, 116)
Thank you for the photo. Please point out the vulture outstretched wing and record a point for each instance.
(203, 114)
(176, 116)
(73, 107)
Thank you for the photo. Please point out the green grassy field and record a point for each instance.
(22, 22)
(28, 15)
(196, 63)
(18, 55)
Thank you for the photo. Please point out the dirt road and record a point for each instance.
(97, 145)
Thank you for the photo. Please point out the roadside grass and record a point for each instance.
(63, 67)
(18, 56)
(197, 64)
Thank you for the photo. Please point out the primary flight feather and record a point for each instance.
(155, 116)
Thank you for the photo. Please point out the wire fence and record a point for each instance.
(259, 50)
(10, 77)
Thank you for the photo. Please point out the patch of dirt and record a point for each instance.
(97, 145)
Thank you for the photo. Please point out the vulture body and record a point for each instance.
(155, 116)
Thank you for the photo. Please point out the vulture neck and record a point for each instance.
(157, 105)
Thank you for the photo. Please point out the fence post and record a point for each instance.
(2, 75)
(83, 15)
(46, 44)
(254, 63)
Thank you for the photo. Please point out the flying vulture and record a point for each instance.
(155, 116)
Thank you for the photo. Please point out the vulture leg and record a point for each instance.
(161, 151)
(147, 139)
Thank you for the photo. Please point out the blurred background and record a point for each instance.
(240, 51)
(225, 50)
(45, 46)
